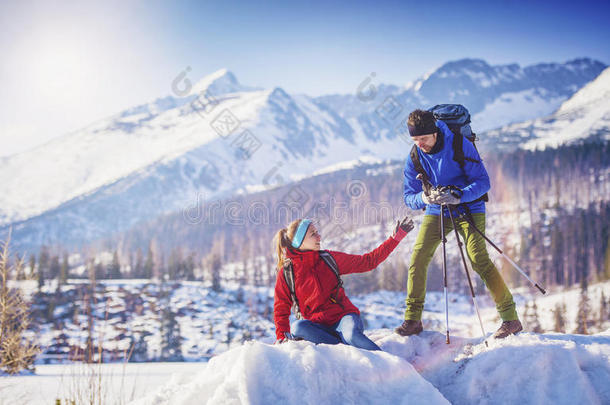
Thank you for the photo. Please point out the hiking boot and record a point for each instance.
(409, 328)
(508, 328)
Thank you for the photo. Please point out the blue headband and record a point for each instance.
(297, 241)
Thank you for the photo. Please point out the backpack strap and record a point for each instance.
(420, 169)
(330, 262)
(458, 148)
(289, 277)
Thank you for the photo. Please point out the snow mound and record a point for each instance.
(299, 373)
(527, 369)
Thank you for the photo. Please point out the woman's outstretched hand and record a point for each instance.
(403, 228)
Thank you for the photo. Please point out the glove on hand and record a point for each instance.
(430, 198)
(448, 196)
(287, 336)
(403, 228)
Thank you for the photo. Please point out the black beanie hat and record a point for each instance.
(425, 126)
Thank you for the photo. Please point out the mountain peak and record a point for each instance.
(596, 92)
(466, 63)
(583, 62)
(220, 74)
(222, 81)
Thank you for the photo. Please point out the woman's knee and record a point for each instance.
(350, 325)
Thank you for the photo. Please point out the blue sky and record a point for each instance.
(68, 64)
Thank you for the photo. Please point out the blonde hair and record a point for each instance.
(283, 241)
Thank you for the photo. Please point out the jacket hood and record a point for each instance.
(296, 254)
(300, 258)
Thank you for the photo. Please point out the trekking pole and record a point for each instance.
(427, 187)
(474, 301)
(444, 241)
(471, 222)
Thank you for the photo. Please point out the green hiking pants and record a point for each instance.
(428, 240)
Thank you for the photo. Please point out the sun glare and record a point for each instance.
(61, 67)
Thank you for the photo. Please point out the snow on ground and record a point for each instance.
(299, 373)
(112, 383)
(529, 368)
(526, 369)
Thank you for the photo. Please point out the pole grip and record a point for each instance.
(426, 185)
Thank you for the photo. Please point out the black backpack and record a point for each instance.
(289, 277)
(457, 118)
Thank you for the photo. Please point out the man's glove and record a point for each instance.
(403, 228)
(448, 196)
(430, 198)
(425, 198)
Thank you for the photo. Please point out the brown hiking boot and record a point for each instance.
(409, 328)
(508, 328)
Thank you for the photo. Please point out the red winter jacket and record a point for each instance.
(315, 284)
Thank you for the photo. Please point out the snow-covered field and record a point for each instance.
(528, 368)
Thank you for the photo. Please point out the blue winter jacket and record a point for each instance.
(442, 170)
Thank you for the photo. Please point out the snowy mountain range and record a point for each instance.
(223, 138)
(494, 95)
(586, 115)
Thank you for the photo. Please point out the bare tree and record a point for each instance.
(16, 352)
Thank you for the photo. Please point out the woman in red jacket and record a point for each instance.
(328, 316)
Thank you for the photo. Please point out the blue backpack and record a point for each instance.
(457, 118)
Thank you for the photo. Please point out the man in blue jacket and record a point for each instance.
(434, 143)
